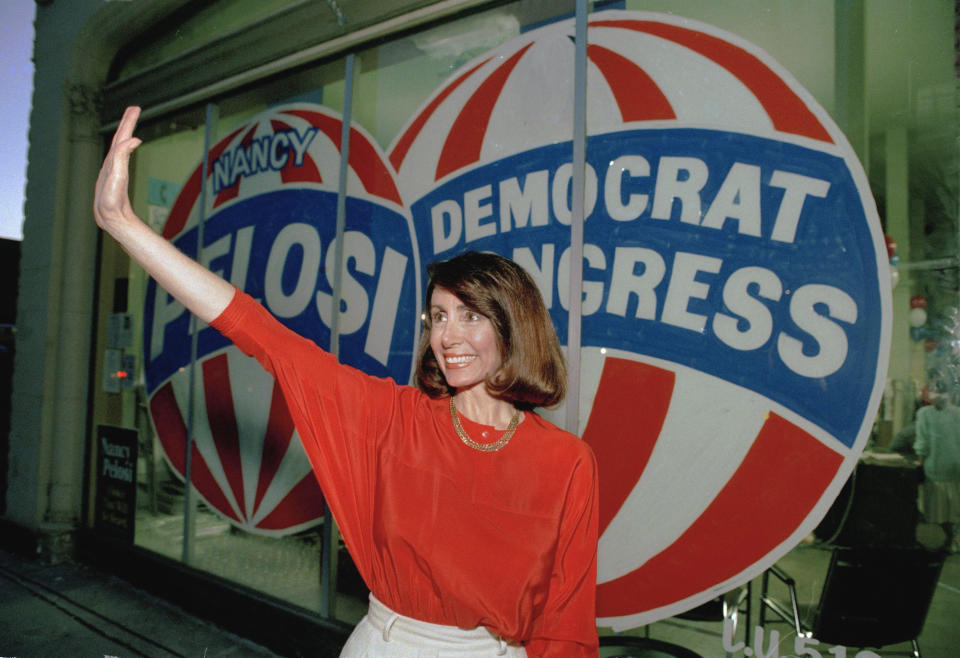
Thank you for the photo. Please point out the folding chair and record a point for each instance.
(872, 597)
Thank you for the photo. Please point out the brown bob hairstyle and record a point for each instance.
(532, 371)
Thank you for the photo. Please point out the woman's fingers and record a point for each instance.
(123, 140)
(127, 124)
(111, 198)
(196, 287)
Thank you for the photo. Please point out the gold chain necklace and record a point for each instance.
(484, 447)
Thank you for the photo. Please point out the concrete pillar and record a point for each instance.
(76, 309)
(76, 43)
(850, 77)
(897, 213)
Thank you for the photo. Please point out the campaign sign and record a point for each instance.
(736, 303)
(270, 229)
(115, 508)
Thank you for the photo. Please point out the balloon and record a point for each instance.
(894, 277)
(891, 245)
(918, 317)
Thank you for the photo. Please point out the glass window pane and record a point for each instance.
(887, 77)
(236, 532)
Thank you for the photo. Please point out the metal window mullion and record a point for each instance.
(572, 422)
(189, 505)
(330, 541)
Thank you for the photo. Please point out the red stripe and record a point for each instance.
(629, 409)
(465, 139)
(368, 165)
(218, 394)
(180, 212)
(364, 158)
(275, 443)
(638, 96)
(787, 111)
(302, 504)
(775, 488)
(406, 140)
(172, 432)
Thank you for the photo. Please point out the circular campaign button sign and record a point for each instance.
(736, 295)
(271, 197)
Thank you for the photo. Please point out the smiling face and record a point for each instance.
(463, 341)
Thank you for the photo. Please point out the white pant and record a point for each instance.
(383, 632)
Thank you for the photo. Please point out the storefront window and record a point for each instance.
(754, 173)
(885, 72)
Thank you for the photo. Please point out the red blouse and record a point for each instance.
(440, 531)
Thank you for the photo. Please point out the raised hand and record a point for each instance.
(201, 291)
(111, 201)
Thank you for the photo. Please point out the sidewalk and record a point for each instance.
(75, 610)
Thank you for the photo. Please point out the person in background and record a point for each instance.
(472, 520)
(937, 445)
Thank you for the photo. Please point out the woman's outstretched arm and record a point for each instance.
(204, 293)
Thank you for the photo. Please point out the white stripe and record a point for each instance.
(709, 428)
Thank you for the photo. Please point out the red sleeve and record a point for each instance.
(258, 334)
(567, 626)
(339, 412)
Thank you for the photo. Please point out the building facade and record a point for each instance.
(115, 394)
